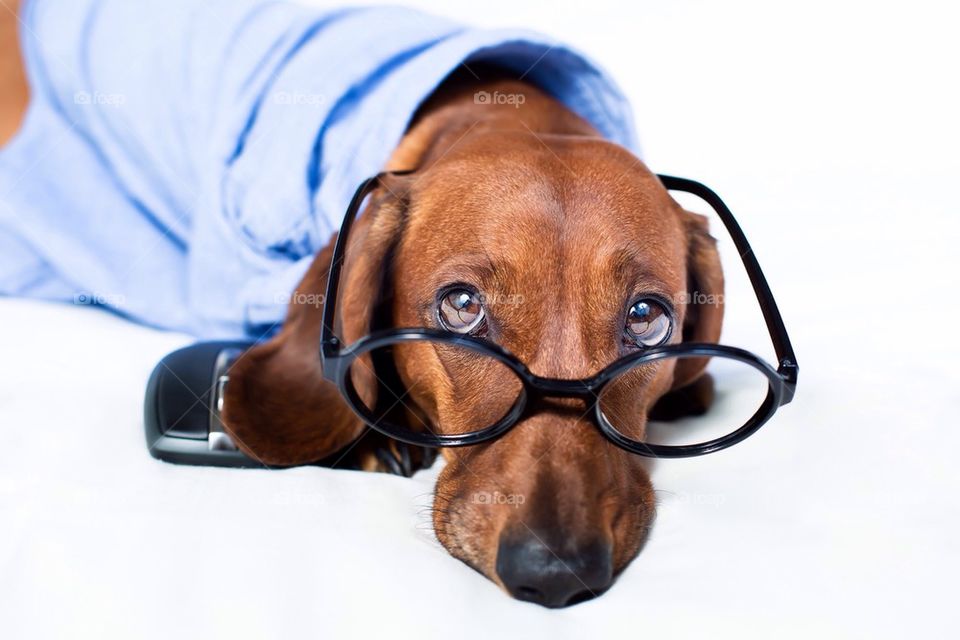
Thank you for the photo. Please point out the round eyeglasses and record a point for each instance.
(502, 391)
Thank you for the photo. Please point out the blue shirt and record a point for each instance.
(181, 162)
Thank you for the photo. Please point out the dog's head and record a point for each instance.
(543, 245)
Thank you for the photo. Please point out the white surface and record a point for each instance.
(831, 132)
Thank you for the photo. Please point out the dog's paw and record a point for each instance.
(378, 453)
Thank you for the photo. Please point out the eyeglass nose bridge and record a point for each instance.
(557, 388)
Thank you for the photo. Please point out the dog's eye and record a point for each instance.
(648, 323)
(460, 310)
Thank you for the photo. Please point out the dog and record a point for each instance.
(551, 232)
(524, 201)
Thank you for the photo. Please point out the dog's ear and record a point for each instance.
(704, 303)
(278, 407)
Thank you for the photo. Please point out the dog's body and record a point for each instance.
(522, 201)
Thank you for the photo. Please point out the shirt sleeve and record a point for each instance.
(184, 160)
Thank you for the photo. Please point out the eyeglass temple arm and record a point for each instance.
(329, 343)
(328, 340)
(787, 361)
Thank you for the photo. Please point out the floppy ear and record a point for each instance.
(278, 407)
(704, 303)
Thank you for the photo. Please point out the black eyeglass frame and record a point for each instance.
(336, 358)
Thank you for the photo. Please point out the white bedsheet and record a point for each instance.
(835, 144)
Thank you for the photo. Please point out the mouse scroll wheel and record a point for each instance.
(217, 437)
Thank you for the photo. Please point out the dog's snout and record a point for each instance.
(532, 571)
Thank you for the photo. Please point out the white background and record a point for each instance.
(831, 131)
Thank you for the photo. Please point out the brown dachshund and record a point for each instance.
(547, 234)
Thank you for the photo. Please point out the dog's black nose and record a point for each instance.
(532, 571)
